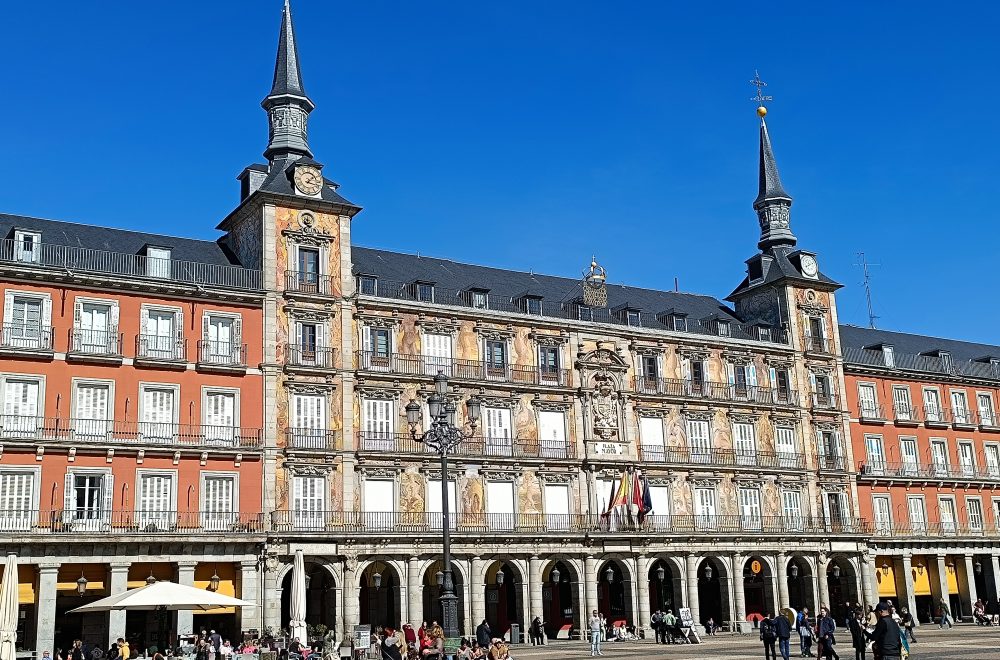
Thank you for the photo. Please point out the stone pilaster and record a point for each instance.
(119, 585)
(478, 592)
(590, 584)
(911, 598)
(781, 560)
(824, 581)
(642, 589)
(970, 579)
(185, 576)
(867, 577)
(250, 591)
(692, 587)
(414, 600)
(45, 627)
(942, 574)
(534, 589)
(739, 597)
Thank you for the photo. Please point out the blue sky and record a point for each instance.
(529, 135)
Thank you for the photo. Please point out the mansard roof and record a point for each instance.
(453, 277)
(855, 337)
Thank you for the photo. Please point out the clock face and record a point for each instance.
(308, 180)
(809, 265)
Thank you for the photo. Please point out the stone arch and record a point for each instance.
(504, 596)
(323, 585)
(561, 604)
(842, 585)
(714, 599)
(380, 590)
(800, 572)
(429, 579)
(668, 593)
(757, 573)
(615, 584)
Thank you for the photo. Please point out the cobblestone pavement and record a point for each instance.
(965, 642)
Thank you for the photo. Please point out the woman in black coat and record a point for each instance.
(859, 637)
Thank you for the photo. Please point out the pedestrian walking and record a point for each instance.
(483, 634)
(945, 615)
(783, 630)
(909, 623)
(826, 629)
(536, 631)
(804, 629)
(886, 638)
(596, 630)
(859, 637)
(768, 636)
(656, 624)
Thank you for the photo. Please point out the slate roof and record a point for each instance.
(453, 276)
(781, 268)
(57, 232)
(852, 336)
(287, 73)
(768, 182)
(279, 182)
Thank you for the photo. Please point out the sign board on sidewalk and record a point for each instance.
(685, 615)
(361, 637)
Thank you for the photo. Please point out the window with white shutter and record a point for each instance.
(704, 507)
(158, 414)
(901, 402)
(868, 401)
(18, 508)
(155, 509)
(434, 504)
(88, 499)
(218, 501)
(603, 488)
(160, 338)
(379, 424)
(94, 329)
(939, 456)
(221, 341)
(992, 455)
(791, 509)
(379, 503)
(984, 401)
(92, 411)
(556, 502)
(883, 514)
(308, 501)
(24, 325)
(220, 417)
(500, 504)
(750, 508)
(699, 441)
(497, 429)
(745, 443)
(960, 407)
(552, 433)
(876, 454)
(21, 416)
(784, 444)
(946, 510)
(377, 354)
(308, 423)
(651, 439)
(908, 452)
(437, 353)
(974, 510)
(966, 459)
(918, 513)
(932, 406)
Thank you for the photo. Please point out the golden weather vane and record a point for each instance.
(760, 99)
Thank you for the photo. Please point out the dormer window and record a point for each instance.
(530, 305)
(946, 361)
(888, 355)
(995, 367)
(157, 261)
(367, 285)
(423, 291)
(628, 315)
(585, 312)
(764, 333)
(27, 245)
(478, 298)
(723, 328)
(679, 322)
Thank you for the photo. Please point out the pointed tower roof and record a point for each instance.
(769, 185)
(287, 73)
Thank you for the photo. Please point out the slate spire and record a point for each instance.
(287, 105)
(773, 204)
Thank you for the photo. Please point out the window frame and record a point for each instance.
(367, 279)
(36, 240)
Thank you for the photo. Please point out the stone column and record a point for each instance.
(970, 579)
(45, 628)
(738, 593)
(824, 584)
(414, 597)
(590, 585)
(250, 591)
(468, 587)
(642, 591)
(781, 560)
(185, 576)
(534, 590)
(352, 593)
(911, 598)
(868, 589)
(996, 573)
(942, 572)
(478, 592)
(692, 587)
(271, 601)
(119, 585)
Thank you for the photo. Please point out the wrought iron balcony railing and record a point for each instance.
(104, 432)
(818, 345)
(73, 259)
(907, 414)
(310, 356)
(96, 520)
(935, 529)
(30, 337)
(682, 388)
(390, 522)
(873, 469)
(721, 457)
(403, 443)
(423, 365)
(222, 353)
(832, 462)
(316, 439)
(825, 401)
(95, 342)
(936, 415)
(297, 281)
(871, 412)
(161, 347)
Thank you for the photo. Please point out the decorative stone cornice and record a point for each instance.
(556, 477)
(309, 469)
(377, 320)
(390, 393)
(308, 233)
(694, 352)
(499, 475)
(549, 405)
(822, 425)
(833, 486)
(743, 417)
(779, 361)
(316, 314)
(704, 481)
(300, 387)
(380, 471)
(499, 401)
(495, 334)
(602, 359)
(650, 411)
(550, 340)
(787, 483)
(820, 368)
(736, 357)
(646, 349)
(749, 481)
(705, 415)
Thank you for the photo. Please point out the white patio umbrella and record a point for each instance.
(163, 595)
(297, 604)
(8, 608)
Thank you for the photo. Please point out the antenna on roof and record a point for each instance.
(868, 287)
(677, 284)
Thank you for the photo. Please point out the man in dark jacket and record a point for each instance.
(826, 628)
(783, 629)
(885, 637)
(483, 635)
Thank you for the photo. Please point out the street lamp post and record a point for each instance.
(443, 436)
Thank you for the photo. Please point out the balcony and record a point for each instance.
(102, 346)
(310, 439)
(222, 356)
(308, 284)
(932, 530)
(928, 472)
(309, 358)
(70, 261)
(721, 457)
(907, 415)
(825, 401)
(936, 417)
(472, 370)
(161, 351)
(18, 339)
(403, 443)
(81, 522)
(871, 413)
(963, 419)
(694, 389)
(108, 432)
(988, 421)
(832, 462)
(389, 523)
(818, 345)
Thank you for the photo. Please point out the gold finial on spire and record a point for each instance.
(760, 99)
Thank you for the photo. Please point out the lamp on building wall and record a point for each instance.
(978, 568)
(661, 573)
(213, 582)
(793, 570)
(885, 567)
(920, 569)
(81, 585)
(376, 576)
(500, 576)
(439, 576)
(609, 575)
(555, 575)
(708, 572)
(151, 579)
(835, 572)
